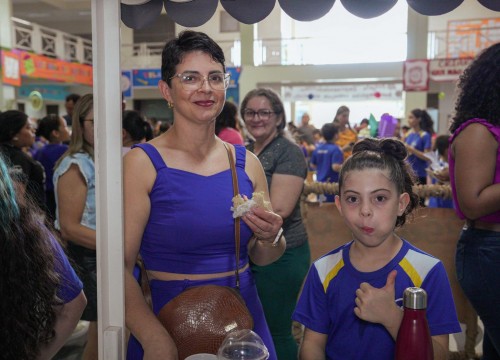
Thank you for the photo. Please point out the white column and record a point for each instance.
(108, 160)
(7, 92)
(417, 49)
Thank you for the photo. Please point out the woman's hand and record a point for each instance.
(264, 224)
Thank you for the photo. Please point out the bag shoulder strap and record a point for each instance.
(236, 191)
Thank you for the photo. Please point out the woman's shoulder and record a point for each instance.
(83, 160)
(477, 124)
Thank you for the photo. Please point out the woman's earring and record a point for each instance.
(15, 138)
(170, 105)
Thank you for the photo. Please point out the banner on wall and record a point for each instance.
(146, 78)
(11, 73)
(126, 83)
(416, 75)
(353, 92)
(47, 91)
(448, 69)
(42, 67)
(233, 91)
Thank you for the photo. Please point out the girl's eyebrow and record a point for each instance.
(372, 192)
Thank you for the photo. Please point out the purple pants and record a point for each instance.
(164, 291)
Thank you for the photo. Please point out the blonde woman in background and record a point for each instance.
(74, 184)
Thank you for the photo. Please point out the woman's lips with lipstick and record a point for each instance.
(204, 102)
(367, 230)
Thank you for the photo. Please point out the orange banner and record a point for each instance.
(10, 68)
(41, 67)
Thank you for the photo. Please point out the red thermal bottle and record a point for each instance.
(414, 340)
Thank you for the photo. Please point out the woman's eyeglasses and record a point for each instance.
(263, 114)
(194, 81)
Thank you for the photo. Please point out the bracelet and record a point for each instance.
(278, 238)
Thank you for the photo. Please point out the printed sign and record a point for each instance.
(448, 69)
(416, 75)
(126, 83)
(41, 67)
(142, 78)
(11, 73)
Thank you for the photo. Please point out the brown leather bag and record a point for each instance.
(199, 318)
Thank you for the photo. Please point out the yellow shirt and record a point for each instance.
(346, 137)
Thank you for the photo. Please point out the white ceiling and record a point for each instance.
(71, 16)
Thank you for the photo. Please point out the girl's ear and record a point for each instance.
(404, 200)
(337, 203)
(55, 134)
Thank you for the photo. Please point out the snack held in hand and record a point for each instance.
(242, 205)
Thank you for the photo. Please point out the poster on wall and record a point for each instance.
(126, 84)
(448, 69)
(466, 38)
(146, 78)
(11, 71)
(233, 90)
(416, 75)
(42, 67)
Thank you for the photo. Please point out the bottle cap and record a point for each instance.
(415, 298)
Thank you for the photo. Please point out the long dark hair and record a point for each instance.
(227, 117)
(384, 154)
(11, 122)
(425, 121)
(479, 90)
(28, 282)
(48, 124)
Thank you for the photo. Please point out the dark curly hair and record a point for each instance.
(28, 281)
(384, 154)
(479, 90)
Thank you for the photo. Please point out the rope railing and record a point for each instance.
(424, 191)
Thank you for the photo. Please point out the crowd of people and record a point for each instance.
(178, 218)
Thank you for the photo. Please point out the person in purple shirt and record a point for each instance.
(53, 128)
(42, 298)
(474, 160)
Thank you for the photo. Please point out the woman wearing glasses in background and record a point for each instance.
(74, 186)
(177, 198)
(286, 170)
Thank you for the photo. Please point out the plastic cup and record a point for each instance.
(243, 345)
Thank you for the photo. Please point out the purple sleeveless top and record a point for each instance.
(190, 229)
(495, 131)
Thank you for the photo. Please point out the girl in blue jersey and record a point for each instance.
(350, 304)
